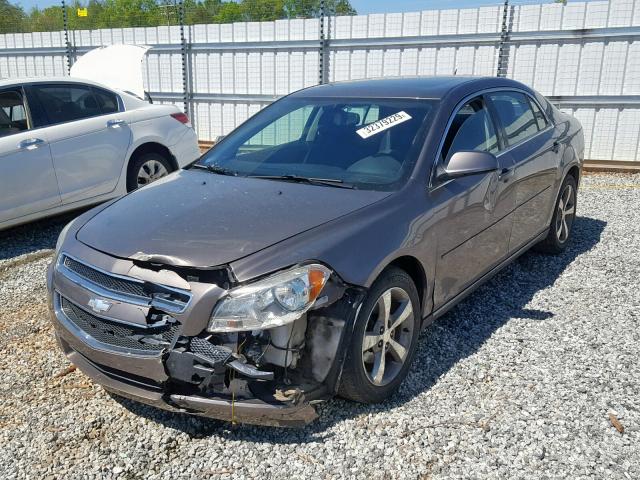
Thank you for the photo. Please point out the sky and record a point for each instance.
(362, 6)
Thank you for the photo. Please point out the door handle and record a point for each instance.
(115, 123)
(506, 174)
(30, 143)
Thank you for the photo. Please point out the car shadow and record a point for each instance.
(35, 236)
(453, 337)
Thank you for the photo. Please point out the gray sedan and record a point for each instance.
(302, 255)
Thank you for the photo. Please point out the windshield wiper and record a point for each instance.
(217, 169)
(330, 182)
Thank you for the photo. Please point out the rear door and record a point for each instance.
(88, 136)
(474, 211)
(27, 179)
(530, 143)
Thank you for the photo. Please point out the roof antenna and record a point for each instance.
(455, 72)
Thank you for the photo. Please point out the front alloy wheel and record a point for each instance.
(384, 339)
(388, 336)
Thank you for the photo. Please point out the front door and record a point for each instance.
(474, 211)
(27, 179)
(88, 135)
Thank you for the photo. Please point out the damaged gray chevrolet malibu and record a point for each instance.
(302, 255)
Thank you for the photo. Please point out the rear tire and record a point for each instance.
(147, 168)
(564, 214)
(384, 339)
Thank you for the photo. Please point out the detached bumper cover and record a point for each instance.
(253, 412)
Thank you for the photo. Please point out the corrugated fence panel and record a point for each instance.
(579, 54)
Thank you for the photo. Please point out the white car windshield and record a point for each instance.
(362, 143)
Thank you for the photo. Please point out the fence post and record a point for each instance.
(503, 55)
(67, 45)
(323, 73)
(186, 68)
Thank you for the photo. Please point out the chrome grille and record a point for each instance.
(115, 284)
(117, 334)
(123, 289)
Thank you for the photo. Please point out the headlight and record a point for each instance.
(277, 300)
(61, 237)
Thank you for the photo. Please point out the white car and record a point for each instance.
(66, 143)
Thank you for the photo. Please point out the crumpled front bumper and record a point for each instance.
(146, 376)
(254, 412)
(113, 370)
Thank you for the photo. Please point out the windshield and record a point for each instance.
(362, 143)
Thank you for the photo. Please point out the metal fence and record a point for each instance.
(584, 56)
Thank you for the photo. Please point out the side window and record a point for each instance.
(539, 116)
(515, 114)
(13, 115)
(107, 101)
(65, 103)
(471, 129)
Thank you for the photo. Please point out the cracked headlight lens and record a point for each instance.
(271, 302)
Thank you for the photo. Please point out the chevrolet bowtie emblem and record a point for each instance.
(100, 306)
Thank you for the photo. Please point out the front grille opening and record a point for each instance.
(124, 286)
(109, 282)
(146, 339)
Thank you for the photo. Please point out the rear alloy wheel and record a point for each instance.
(563, 218)
(566, 211)
(384, 339)
(147, 169)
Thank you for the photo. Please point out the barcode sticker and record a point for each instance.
(383, 124)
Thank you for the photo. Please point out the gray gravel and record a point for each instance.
(519, 381)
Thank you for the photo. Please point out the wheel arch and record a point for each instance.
(153, 147)
(574, 171)
(415, 270)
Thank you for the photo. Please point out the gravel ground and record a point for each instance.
(519, 381)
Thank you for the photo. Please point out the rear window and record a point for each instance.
(516, 116)
(66, 103)
(107, 101)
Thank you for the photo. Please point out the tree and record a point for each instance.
(263, 10)
(229, 12)
(12, 17)
(148, 13)
(311, 8)
(47, 20)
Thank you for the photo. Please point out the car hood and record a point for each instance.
(196, 218)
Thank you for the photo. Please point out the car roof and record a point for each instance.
(404, 87)
(10, 82)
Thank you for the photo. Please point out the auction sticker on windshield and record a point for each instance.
(383, 124)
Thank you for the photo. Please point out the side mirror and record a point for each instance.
(465, 163)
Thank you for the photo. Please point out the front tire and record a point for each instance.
(384, 339)
(146, 169)
(564, 215)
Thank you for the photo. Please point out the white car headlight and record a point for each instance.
(274, 301)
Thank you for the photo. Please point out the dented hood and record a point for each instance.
(196, 218)
(116, 66)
